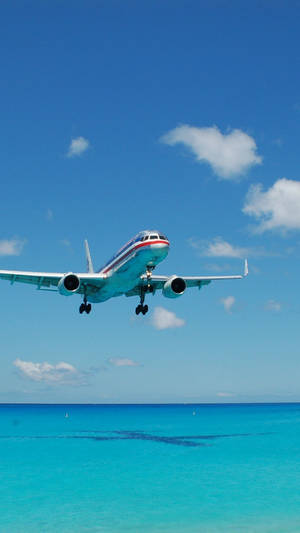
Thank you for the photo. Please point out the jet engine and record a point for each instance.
(174, 287)
(69, 284)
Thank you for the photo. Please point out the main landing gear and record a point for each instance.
(141, 308)
(85, 307)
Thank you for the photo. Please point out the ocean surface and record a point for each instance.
(150, 468)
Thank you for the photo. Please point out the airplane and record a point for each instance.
(129, 272)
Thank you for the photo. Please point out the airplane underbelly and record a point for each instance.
(126, 275)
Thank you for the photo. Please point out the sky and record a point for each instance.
(119, 116)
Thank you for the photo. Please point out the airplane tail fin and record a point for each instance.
(246, 270)
(89, 262)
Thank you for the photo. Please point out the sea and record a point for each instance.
(150, 468)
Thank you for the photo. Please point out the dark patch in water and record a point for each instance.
(191, 441)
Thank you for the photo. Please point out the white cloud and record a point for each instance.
(277, 208)
(225, 394)
(228, 303)
(45, 372)
(122, 361)
(229, 155)
(164, 319)
(272, 305)
(219, 248)
(215, 267)
(78, 146)
(11, 247)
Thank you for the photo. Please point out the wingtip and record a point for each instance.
(90, 267)
(246, 270)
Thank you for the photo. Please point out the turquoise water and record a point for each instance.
(133, 469)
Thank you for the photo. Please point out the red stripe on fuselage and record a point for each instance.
(140, 245)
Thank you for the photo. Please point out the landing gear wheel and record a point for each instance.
(85, 307)
(141, 309)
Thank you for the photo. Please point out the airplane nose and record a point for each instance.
(161, 248)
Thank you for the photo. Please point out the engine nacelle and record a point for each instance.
(69, 284)
(174, 287)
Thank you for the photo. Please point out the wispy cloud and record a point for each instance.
(11, 246)
(65, 242)
(60, 373)
(272, 305)
(277, 208)
(78, 146)
(164, 319)
(228, 303)
(218, 247)
(226, 394)
(215, 267)
(49, 214)
(230, 155)
(122, 361)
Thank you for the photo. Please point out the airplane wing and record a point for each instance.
(158, 282)
(50, 280)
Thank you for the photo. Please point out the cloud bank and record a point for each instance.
(230, 155)
(277, 208)
(78, 146)
(164, 319)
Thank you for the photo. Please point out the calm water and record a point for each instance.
(186, 468)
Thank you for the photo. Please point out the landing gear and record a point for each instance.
(85, 307)
(141, 309)
(149, 275)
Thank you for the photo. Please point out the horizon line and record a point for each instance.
(154, 403)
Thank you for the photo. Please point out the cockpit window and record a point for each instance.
(163, 237)
(153, 237)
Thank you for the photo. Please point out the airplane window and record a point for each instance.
(163, 237)
(153, 237)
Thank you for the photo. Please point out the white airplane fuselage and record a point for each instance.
(124, 269)
(128, 272)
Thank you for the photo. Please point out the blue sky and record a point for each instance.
(121, 116)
